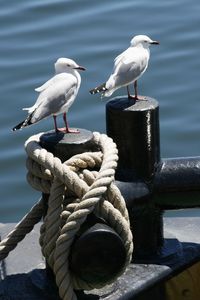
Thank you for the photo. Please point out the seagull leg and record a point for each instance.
(136, 93)
(128, 92)
(67, 129)
(135, 88)
(55, 123)
(129, 95)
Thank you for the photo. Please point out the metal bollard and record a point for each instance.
(149, 184)
(95, 238)
(135, 130)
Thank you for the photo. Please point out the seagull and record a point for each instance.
(128, 67)
(56, 95)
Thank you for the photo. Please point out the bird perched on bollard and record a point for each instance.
(56, 95)
(128, 67)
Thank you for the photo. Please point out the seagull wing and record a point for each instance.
(128, 67)
(45, 85)
(41, 89)
(119, 57)
(55, 98)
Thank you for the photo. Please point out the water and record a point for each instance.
(34, 34)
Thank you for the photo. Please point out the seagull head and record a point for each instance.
(66, 65)
(142, 40)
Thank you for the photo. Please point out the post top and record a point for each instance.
(54, 138)
(125, 104)
(65, 145)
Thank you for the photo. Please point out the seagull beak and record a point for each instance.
(155, 43)
(80, 68)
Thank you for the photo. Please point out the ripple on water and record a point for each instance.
(35, 33)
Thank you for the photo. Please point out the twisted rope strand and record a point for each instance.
(21, 229)
(77, 187)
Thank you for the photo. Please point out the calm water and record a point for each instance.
(35, 33)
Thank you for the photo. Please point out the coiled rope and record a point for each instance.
(75, 190)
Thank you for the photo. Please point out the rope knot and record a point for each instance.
(82, 185)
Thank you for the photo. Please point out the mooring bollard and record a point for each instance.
(135, 130)
(98, 252)
(148, 183)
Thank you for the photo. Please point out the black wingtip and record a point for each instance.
(23, 124)
(99, 89)
(19, 126)
(92, 92)
(26, 122)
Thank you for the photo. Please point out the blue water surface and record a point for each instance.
(34, 34)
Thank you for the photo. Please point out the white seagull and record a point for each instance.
(128, 67)
(56, 95)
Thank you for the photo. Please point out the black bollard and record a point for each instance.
(98, 253)
(177, 183)
(134, 127)
(65, 146)
(135, 130)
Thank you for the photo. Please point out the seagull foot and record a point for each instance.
(67, 130)
(137, 98)
(141, 98)
(132, 97)
(72, 131)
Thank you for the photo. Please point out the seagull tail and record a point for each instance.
(99, 89)
(24, 123)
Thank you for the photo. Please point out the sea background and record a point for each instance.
(33, 34)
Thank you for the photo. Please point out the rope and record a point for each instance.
(75, 189)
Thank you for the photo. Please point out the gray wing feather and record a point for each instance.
(128, 70)
(54, 100)
(127, 73)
